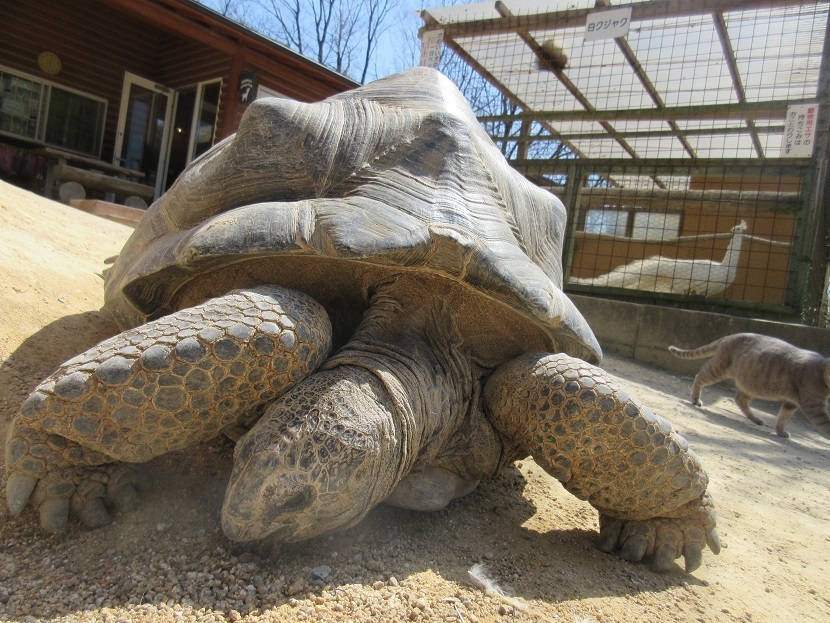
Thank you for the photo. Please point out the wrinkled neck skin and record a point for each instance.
(409, 341)
(401, 396)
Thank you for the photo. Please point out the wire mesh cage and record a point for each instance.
(687, 140)
(703, 234)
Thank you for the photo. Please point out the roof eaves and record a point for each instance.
(245, 33)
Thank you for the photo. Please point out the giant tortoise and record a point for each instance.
(381, 225)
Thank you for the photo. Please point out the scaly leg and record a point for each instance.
(609, 449)
(157, 388)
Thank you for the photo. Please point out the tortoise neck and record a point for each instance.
(410, 342)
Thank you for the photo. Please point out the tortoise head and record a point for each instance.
(319, 459)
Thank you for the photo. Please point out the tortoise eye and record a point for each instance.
(298, 502)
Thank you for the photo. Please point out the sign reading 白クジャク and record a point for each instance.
(799, 131)
(431, 48)
(608, 24)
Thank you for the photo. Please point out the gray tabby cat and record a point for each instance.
(768, 368)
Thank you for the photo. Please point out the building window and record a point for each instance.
(636, 224)
(44, 112)
(263, 91)
(608, 222)
(20, 105)
(206, 115)
(655, 226)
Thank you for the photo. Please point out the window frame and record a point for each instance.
(197, 108)
(631, 213)
(43, 112)
(263, 91)
(646, 227)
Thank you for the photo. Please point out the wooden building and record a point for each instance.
(122, 94)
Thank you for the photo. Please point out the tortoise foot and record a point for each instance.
(608, 448)
(88, 493)
(689, 530)
(160, 387)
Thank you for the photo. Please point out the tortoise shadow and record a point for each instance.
(485, 527)
(179, 520)
(43, 351)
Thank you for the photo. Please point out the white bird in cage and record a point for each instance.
(676, 276)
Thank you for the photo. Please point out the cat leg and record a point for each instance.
(815, 410)
(784, 414)
(708, 375)
(696, 387)
(742, 400)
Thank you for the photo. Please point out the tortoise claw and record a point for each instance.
(664, 539)
(713, 540)
(664, 556)
(19, 489)
(693, 556)
(94, 514)
(609, 536)
(634, 548)
(54, 515)
(124, 498)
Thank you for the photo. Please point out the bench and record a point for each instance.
(92, 174)
(101, 181)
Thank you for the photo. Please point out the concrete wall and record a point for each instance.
(644, 332)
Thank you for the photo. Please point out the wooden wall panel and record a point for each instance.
(98, 40)
(95, 51)
(183, 63)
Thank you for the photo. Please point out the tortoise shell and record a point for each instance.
(393, 178)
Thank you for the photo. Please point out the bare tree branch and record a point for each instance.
(377, 14)
(288, 17)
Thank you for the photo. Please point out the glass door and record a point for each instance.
(194, 126)
(143, 128)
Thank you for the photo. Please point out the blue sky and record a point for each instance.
(398, 47)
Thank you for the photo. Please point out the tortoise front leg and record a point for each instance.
(157, 388)
(609, 449)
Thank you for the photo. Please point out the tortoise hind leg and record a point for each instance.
(609, 449)
(160, 387)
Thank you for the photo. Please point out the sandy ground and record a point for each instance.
(169, 560)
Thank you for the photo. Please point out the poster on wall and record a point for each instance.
(799, 131)
(431, 48)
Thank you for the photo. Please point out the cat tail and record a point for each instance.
(697, 353)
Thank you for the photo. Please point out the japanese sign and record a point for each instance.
(431, 48)
(799, 131)
(608, 24)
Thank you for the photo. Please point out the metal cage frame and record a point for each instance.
(687, 76)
